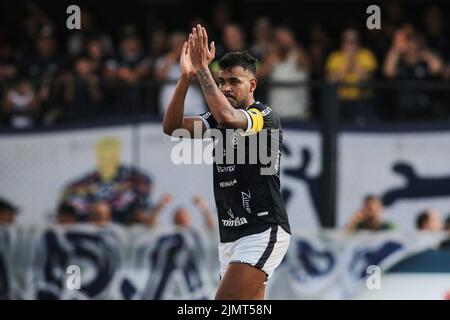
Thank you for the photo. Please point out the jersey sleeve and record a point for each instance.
(259, 118)
(208, 120)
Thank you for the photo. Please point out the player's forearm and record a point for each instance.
(173, 117)
(219, 106)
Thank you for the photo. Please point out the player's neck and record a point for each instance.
(251, 101)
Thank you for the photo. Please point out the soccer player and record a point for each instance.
(253, 222)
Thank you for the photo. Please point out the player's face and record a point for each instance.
(237, 85)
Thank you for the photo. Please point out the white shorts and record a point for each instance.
(263, 250)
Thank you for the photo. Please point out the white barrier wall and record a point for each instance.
(410, 171)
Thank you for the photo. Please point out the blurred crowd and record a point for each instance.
(104, 212)
(94, 73)
(370, 217)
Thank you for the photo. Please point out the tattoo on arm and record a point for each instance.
(206, 81)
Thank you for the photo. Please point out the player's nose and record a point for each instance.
(225, 88)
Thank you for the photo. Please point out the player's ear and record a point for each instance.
(253, 83)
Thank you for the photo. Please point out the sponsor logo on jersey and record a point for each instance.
(230, 213)
(246, 201)
(234, 140)
(266, 111)
(226, 168)
(207, 115)
(234, 222)
(226, 184)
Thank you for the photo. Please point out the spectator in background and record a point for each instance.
(428, 220)
(262, 42)
(319, 47)
(97, 53)
(409, 59)
(369, 217)
(78, 39)
(158, 43)
(352, 65)
(125, 72)
(34, 19)
(447, 224)
(82, 92)
(132, 63)
(157, 48)
(44, 61)
(100, 214)
(8, 212)
(446, 71)
(436, 34)
(8, 69)
(445, 244)
(183, 218)
(21, 105)
(437, 37)
(202, 205)
(47, 69)
(66, 214)
(221, 16)
(318, 50)
(288, 63)
(233, 39)
(167, 69)
(262, 38)
(396, 15)
(149, 219)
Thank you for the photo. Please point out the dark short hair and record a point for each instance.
(7, 206)
(447, 223)
(371, 197)
(238, 59)
(421, 219)
(66, 209)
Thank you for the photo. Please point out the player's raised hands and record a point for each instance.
(200, 53)
(185, 63)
